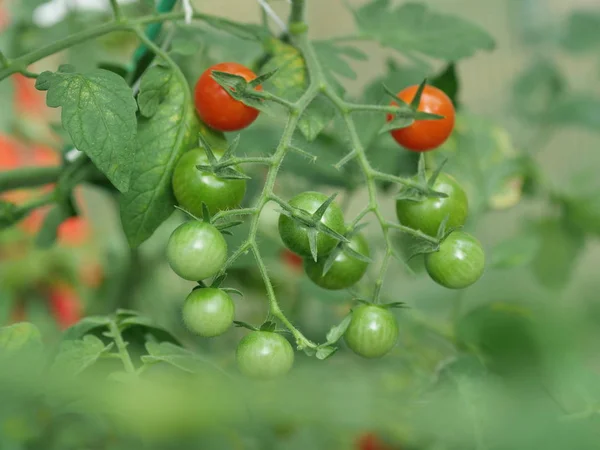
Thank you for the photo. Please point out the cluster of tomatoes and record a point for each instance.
(313, 228)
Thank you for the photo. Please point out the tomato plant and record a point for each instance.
(193, 187)
(425, 135)
(196, 250)
(264, 354)
(216, 107)
(147, 191)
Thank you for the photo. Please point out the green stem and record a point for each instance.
(297, 13)
(121, 347)
(234, 212)
(116, 9)
(28, 177)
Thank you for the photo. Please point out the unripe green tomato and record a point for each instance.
(263, 354)
(373, 331)
(208, 312)
(458, 263)
(192, 187)
(345, 271)
(196, 250)
(295, 236)
(427, 215)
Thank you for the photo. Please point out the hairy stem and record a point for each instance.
(115, 333)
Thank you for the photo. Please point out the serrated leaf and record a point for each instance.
(85, 326)
(414, 28)
(331, 57)
(153, 90)
(336, 332)
(98, 112)
(20, 336)
(75, 356)
(161, 140)
(515, 252)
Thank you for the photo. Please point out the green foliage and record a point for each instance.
(412, 28)
(98, 112)
(161, 139)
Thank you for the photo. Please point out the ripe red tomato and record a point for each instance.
(65, 305)
(424, 135)
(9, 153)
(74, 231)
(216, 107)
(33, 222)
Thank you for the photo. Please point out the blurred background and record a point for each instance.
(510, 363)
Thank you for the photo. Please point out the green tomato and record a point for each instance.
(373, 331)
(458, 263)
(295, 236)
(427, 215)
(196, 250)
(192, 187)
(208, 312)
(263, 354)
(345, 271)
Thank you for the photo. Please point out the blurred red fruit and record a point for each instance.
(370, 441)
(92, 274)
(33, 222)
(292, 260)
(74, 231)
(65, 305)
(9, 153)
(28, 100)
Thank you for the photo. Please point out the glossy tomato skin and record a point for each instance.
(216, 107)
(459, 263)
(425, 135)
(192, 187)
(262, 354)
(373, 331)
(295, 236)
(208, 312)
(346, 271)
(427, 215)
(196, 250)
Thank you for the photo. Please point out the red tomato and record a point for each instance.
(74, 231)
(4, 19)
(65, 305)
(216, 107)
(33, 222)
(292, 260)
(42, 155)
(424, 135)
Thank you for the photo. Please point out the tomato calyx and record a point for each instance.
(242, 90)
(344, 246)
(224, 167)
(312, 223)
(407, 113)
(268, 326)
(217, 284)
(206, 217)
(425, 182)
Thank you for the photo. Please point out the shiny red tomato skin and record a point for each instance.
(216, 107)
(425, 135)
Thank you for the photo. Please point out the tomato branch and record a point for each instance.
(28, 177)
(115, 334)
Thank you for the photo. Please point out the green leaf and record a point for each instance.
(515, 252)
(448, 82)
(537, 89)
(559, 250)
(75, 356)
(85, 326)
(413, 28)
(268, 326)
(581, 32)
(153, 91)
(161, 139)
(98, 112)
(325, 351)
(9, 214)
(178, 357)
(577, 109)
(331, 56)
(581, 202)
(20, 336)
(337, 331)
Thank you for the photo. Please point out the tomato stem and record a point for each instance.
(115, 333)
